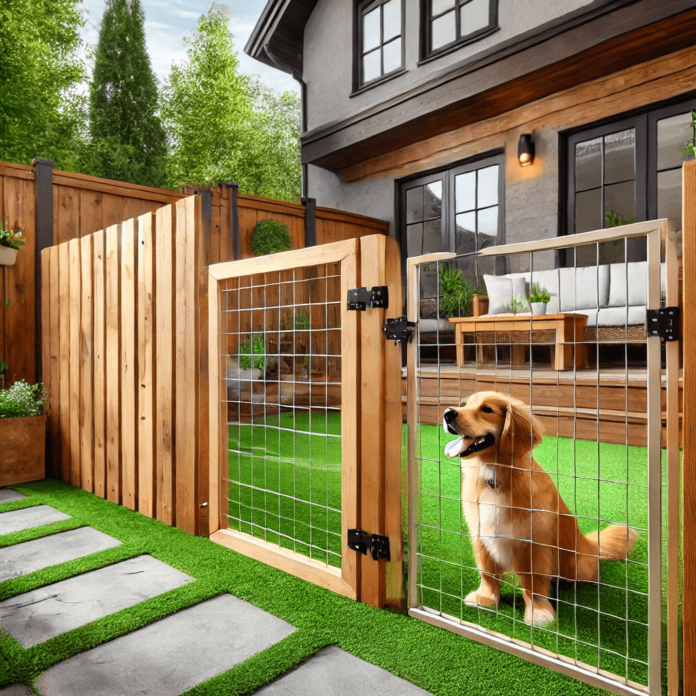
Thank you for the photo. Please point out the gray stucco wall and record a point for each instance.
(328, 52)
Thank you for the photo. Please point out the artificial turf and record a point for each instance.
(438, 661)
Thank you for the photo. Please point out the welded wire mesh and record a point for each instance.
(583, 370)
(281, 344)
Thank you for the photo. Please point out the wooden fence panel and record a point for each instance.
(113, 350)
(99, 258)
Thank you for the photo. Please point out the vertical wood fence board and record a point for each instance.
(87, 367)
(164, 365)
(113, 350)
(64, 389)
(99, 263)
(146, 391)
(689, 430)
(129, 480)
(373, 419)
(46, 336)
(216, 409)
(185, 407)
(53, 366)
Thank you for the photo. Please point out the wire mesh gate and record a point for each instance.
(307, 394)
(570, 557)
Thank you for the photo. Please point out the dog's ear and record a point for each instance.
(521, 432)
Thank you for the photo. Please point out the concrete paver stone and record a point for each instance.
(169, 656)
(339, 673)
(16, 690)
(7, 495)
(28, 518)
(37, 554)
(36, 616)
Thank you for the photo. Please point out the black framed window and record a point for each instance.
(448, 24)
(628, 171)
(379, 50)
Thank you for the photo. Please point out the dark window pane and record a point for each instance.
(669, 196)
(392, 56)
(391, 19)
(465, 233)
(612, 252)
(672, 135)
(433, 200)
(588, 215)
(414, 239)
(588, 164)
(487, 187)
(432, 236)
(619, 204)
(474, 16)
(620, 156)
(465, 192)
(487, 227)
(444, 30)
(372, 67)
(440, 6)
(371, 30)
(414, 204)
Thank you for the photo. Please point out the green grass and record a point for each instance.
(436, 660)
(601, 485)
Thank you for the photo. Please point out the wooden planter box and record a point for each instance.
(23, 449)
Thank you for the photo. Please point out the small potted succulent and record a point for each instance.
(252, 358)
(22, 433)
(538, 300)
(10, 242)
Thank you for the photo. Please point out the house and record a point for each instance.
(467, 123)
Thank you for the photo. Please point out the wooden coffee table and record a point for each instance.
(569, 331)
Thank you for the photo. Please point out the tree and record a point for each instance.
(127, 140)
(223, 126)
(40, 70)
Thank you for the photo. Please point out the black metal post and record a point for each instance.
(44, 238)
(234, 221)
(310, 222)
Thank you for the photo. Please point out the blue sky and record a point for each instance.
(167, 22)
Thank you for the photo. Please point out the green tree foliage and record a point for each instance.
(223, 126)
(127, 139)
(40, 113)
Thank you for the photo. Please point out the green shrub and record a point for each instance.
(270, 237)
(11, 238)
(456, 292)
(22, 400)
(539, 294)
(252, 346)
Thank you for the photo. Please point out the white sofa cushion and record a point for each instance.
(635, 277)
(616, 316)
(500, 289)
(583, 288)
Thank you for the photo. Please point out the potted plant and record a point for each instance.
(538, 300)
(10, 242)
(270, 237)
(518, 304)
(456, 293)
(22, 433)
(252, 358)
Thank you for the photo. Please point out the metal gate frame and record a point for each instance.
(654, 231)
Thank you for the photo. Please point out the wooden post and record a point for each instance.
(310, 221)
(689, 427)
(234, 220)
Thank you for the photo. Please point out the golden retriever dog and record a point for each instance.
(516, 517)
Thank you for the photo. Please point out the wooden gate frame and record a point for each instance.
(371, 421)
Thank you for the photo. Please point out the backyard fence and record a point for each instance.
(124, 349)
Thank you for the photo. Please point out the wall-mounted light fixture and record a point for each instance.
(525, 150)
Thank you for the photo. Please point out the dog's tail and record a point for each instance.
(611, 544)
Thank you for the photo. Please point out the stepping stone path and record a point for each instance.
(28, 518)
(167, 657)
(339, 673)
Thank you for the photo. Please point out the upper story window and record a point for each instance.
(448, 24)
(380, 44)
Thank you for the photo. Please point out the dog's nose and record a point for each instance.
(450, 415)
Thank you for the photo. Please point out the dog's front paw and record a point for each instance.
(541, 613)
(481, 598)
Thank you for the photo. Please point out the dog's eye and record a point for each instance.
(486, 409)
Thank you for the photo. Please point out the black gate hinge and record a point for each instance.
(360, 298)
(362, 542)
(399, 330)
(663, 322)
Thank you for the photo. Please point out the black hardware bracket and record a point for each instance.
(399, 330)
(359, 299)
(663, 322)
(362, 542)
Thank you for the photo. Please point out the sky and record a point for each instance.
(167, 22)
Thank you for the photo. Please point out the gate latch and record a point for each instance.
(362, 542)
(663, 322)
(399, 330)
(361, 298)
